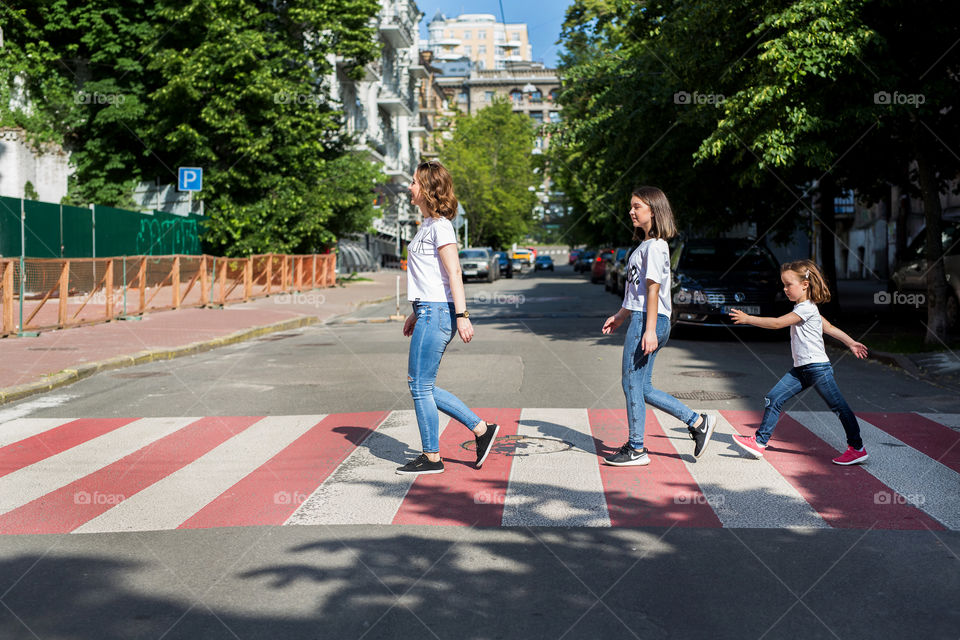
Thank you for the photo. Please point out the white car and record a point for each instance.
(479, 263)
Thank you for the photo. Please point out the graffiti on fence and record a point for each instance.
(168, 237)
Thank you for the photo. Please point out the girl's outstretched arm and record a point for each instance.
(835, 332)
(790, 319)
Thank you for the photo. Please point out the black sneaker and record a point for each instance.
(627, 456)
(485, 443)
(701, 435)
(421, 465)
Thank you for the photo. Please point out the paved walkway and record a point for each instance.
(31, 365)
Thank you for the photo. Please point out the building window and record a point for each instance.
(481, 50)
(489, 95)
(516, 96)
(537, 116)
(536, 96)
(514, 36)
(467, 35)
(467, 50)
(498, 36)
(463, 96)
(554, 117)
(481, 34)
(553, 95)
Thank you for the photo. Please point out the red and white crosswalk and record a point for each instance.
(148, 474)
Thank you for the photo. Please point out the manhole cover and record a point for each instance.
(140, 374)
(277, 336)
(517, 446)
(51, 348)
(712, 374)
(705, 395)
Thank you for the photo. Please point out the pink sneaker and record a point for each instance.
(851, 456)
(750, 445)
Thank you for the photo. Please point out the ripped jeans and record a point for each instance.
(818, 375)
(431, 335)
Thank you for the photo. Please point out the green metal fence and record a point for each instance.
(52, 230)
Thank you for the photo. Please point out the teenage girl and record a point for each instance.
(646, 302)
(804, 285)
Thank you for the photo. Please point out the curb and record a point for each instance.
(906, 364)
(69, 376)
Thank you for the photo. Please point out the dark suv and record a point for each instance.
(711, 277)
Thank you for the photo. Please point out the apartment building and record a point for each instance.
(478, 36)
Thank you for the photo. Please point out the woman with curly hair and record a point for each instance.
(435, 287)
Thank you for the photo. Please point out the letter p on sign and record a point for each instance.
(190, 179)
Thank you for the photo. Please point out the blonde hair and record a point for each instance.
(436, 189)
(808, 271)
(663, 224)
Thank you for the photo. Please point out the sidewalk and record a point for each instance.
(57, 358)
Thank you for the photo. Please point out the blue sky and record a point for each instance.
(543, 18)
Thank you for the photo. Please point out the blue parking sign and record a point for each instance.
(190, 179)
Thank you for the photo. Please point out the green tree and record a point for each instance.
(135, 89)
(489, 158)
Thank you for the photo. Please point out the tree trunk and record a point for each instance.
(828, 255)
(936, 275)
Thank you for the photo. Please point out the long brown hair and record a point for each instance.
(436, 189)
(808, 271)
(663, 222)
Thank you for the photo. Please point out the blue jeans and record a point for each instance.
(637, 373)
(818, 375)
(431, 335)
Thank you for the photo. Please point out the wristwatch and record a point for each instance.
(465, 314)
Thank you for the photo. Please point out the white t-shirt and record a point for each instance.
(427, 280)
(649, 261)
(806, 337)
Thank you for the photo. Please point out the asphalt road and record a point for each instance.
(537, 344)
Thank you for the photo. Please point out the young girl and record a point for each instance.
(804, 285)
(646, 301)
(435, 287)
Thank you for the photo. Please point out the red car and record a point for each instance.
(599, 271)
(574, 254)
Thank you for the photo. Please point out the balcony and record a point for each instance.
(417, 131)
(391, 99)
(398, 28)
(418, 72)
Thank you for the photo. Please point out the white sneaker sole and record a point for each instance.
(490, 448)
(756, 455)
(418, 473)
(639, 462)
(711, 425)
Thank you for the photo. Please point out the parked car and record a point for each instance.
(572, 257)
(479, 263)
(599, 268)
(911, 276)
(505, 262)
(611, 277)
(543, 263)
(584, 261)
(713, 276)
